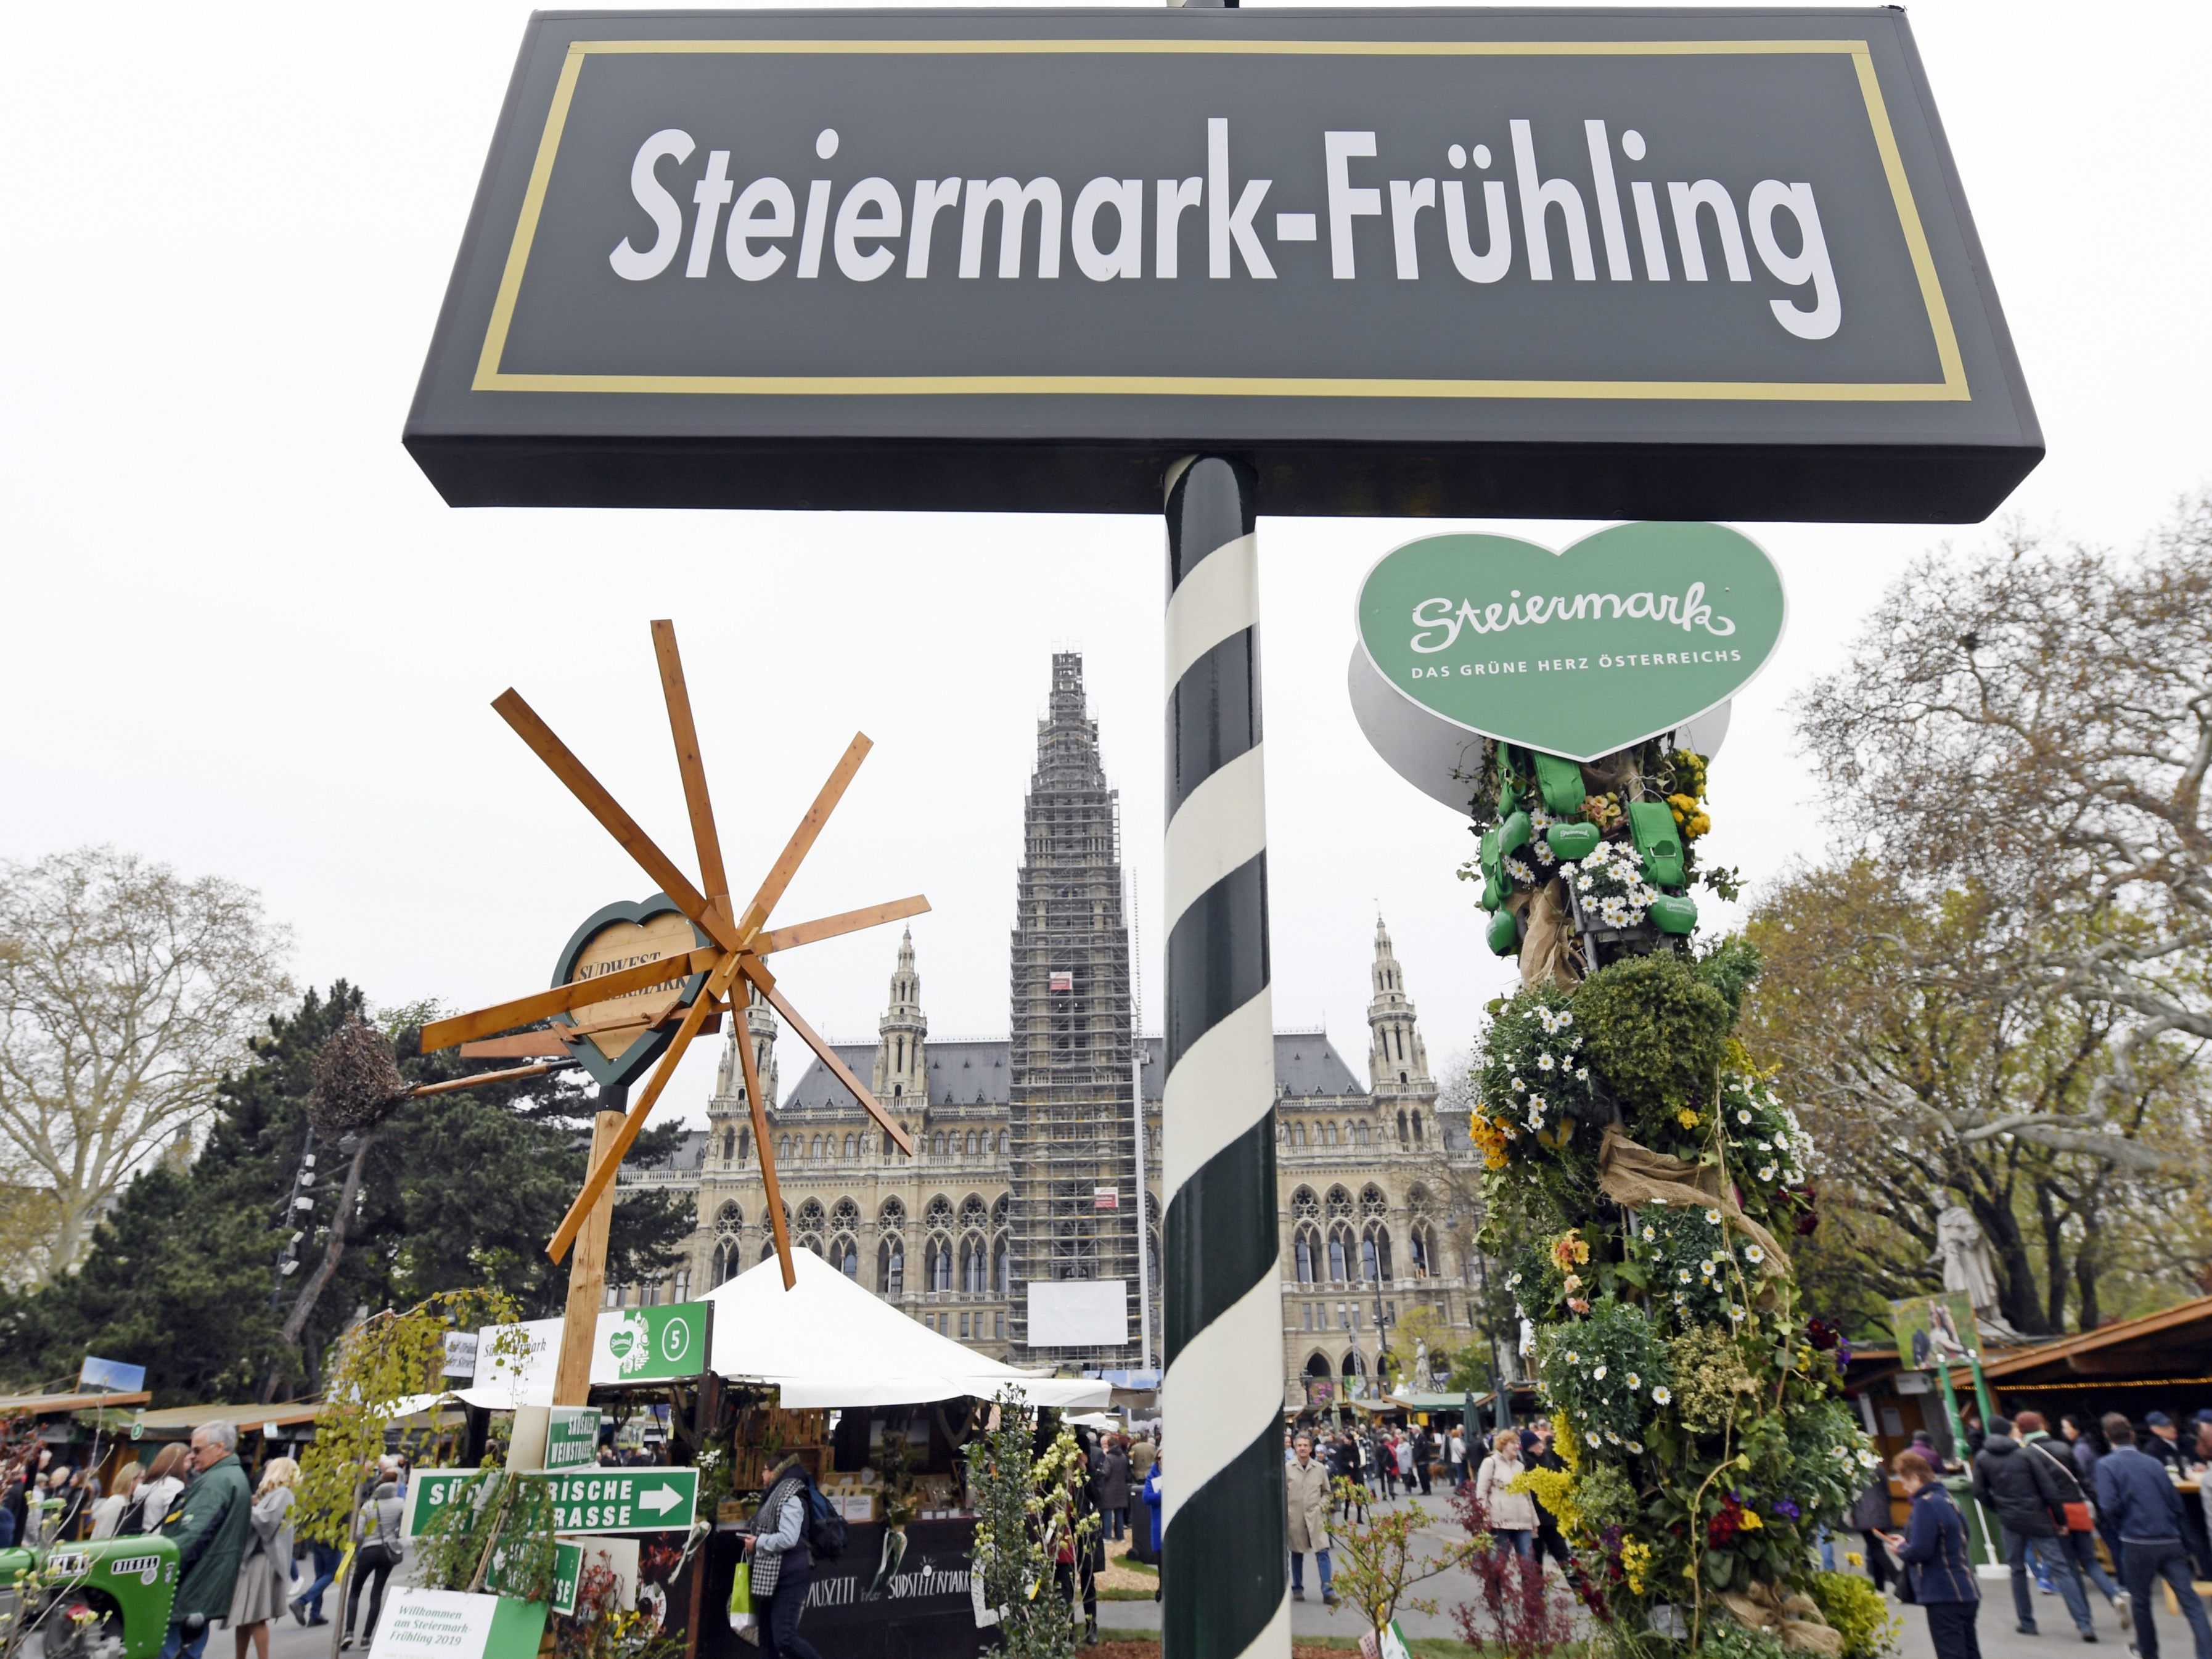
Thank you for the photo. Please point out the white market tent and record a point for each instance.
(828, 1342)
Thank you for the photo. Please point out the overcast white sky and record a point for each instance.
(244, 636)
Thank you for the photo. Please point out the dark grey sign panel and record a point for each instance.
(1638, 264)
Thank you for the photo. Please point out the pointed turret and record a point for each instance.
(729, 1115)
(1397, 1061)
(900, 1073)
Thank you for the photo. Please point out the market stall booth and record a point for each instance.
(877, 1407)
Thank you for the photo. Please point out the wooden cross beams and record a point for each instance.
(741, 941)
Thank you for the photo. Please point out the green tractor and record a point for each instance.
(108, 1600)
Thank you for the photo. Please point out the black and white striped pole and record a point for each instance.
(1222, 1396)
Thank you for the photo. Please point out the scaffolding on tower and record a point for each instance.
(1072, 1135)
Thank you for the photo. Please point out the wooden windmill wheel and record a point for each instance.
(739, 942)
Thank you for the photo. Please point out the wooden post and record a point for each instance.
(587, 1275)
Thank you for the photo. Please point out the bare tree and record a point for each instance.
(2037, 723)
(1905, 1031)
(126, 993)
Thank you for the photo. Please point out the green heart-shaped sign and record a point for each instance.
(1631, 632)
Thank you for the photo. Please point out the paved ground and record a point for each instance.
(1995, 1627)
(1999, 1640)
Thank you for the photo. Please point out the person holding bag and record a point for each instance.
(379, 1552)
(782, 1562)
(2076, 1515)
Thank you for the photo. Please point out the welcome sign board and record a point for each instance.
(1633, 263)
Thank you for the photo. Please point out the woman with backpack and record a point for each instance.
(163, 1485)
(783, 1561)
(109, 1513)
(379, 1554)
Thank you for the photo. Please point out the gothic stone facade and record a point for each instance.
(1364, 1178)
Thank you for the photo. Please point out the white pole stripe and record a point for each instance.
(1224, 1388)
(1276, 1637)
(1219, 598)
(1224, 1084)
(1221, 825)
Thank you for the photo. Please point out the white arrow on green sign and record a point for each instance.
(584, 1500)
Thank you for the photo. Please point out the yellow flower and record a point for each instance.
(1751, 1522)
(1853, 1559)
(1687, 1118)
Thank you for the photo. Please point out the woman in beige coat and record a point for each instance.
(1512, 1514)
(1305, 1483)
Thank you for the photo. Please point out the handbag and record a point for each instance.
(742, 1616)
(2079, 1517)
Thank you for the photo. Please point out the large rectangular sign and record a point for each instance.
(1626, 264)
(584, 1501)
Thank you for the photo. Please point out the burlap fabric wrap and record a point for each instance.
(1793, 1618)
(1547, 947)
(1631, 1175)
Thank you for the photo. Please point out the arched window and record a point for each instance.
(1405, 1132)
(1002, 1267)
(849, 1147)
(975, 1265)
(1298, 1134)
(1421, 1247)
(1360, 1135)
(810, 1222)
(1340, 1251)
(846, 1216)
(938, 1217)
(940, 1263)
(1372, 1204)
(1328, 1134)
(744, 1146)
(1417, 1128)
(845, 1256)
(1339, 1203)
(971, 1143)
(1305, 1235)
(768, 1247)
(890, 1266)
(1355, 1363)
(1317, 1364)
(729, 1145)
(1374, 1252)
(973, 1216)
(729, 1250)
(1005, 1143)
(814, 1147)
(937, 1145)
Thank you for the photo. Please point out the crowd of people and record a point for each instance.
(2049, 1499)
(240, 1563)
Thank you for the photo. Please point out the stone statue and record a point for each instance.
(1965, 1253)
(1421, 1377)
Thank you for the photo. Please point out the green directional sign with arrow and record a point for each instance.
(584, 1500)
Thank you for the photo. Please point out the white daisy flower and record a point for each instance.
(1767, 1172)
(1713, 1217)
(1634, 1381)
(1752, 1253)
(1598, 1376)
(1650, 1232)
(1706, 1266)
(1743, 1116)
(1684, 1274)
(1663, 1396)
(1635, 1447)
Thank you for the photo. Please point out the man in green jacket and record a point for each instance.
(208, 1522)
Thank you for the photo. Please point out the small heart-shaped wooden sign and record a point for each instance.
(1628, 634)
(622, 1035)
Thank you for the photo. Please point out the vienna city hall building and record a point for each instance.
(1027, 1148)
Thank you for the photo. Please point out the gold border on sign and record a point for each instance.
(1952, 388)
